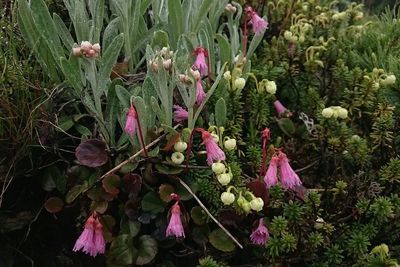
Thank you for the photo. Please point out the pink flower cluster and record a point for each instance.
(288, 177)
(86, 49)
(281, 109)
(91, 241)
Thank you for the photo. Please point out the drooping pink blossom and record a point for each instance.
(259, 24)
(131, 121)
(91, 241)
(214, 152)
(200, 63)
(271, 176)
(200, 94)
(289, 178)
(100, 244)
(260, 235)
(280, 109)
(175, 227)
(180, 114)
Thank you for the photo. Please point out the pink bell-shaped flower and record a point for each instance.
(214, 152)
(271, 176)
(131, 121)
(180, 114)
(289, 178)
(200, 63)
(200, 94)
(260, 235)
(175, 227)
(259, 24)
(91, 240)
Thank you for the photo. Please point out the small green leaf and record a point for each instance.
(129, 227)
(152, 203)
(287, 126)
(220, 112)
(122, 251)
(221, 241)
(165, 191)
(168, 169)
(160, 39)
(54, 204)
(147, 250)
(74, 192)
(198, 215)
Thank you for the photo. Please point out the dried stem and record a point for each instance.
(208, 213)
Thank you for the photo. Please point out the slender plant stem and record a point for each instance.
(209, 214)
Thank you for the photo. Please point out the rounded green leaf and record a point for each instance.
(221, 241)
(147, 250)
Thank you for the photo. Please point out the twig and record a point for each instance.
(208, 213)
(119, 166)
(194, 167)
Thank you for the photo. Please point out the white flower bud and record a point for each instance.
(224, 178)
(271, 87)
(227, 198)
(389, 80)
(230, 144)
(218, 168)
(375, 85)
(177, 158)
(288, 35)
(180, 146)
(342, 113)
(85, 45)
(239, 83)
(76, 51)
(195, 73)
(257, 204)
(96, 47)
(327, 112)
(302, 39)
(227, 75)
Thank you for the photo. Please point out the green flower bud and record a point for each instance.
(177, 158)
(180, 146)
(257, 204)
(227, 198)
(246, 207)
(227, 75)
(218, 168)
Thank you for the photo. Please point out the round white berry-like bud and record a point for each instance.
(327, 112)
(164, 50)
(342, 113)
(302, 38)
(227, 198)
(257, 204)
(288, 35)
(218, 168)
(246, 206)
(215, 137)
(154, 66)
(224, 178)
(239, 83)
(96, 47)
(375, 85)
(271, 87)
(86, 45)
(230, 144)
(355, 137)
(177, 158)
(167, 64)
(227, 75)
(195, 73)
(180, 146)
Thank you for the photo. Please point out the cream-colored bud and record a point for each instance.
(218, 168)
(230, 144)
(96, 47)
(239, 83)
(227, 198)
(76, 51)
(180, 146)
(227, 75)
(224, 178)
(195, 73)
(257, 204)
(342, 113)
(167, 64)
(86, 45)
(271, 87)
(327, 112)
(177, 158)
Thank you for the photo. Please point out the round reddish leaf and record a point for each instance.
(165, 191)
(111, 184)
(131, 183)
(92, 153)
(54, 204)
